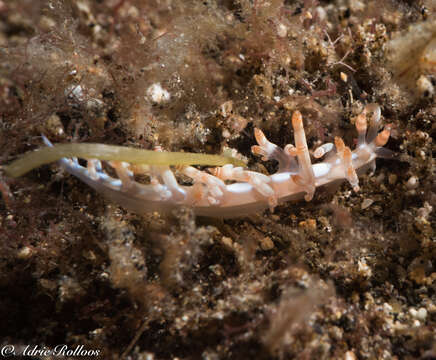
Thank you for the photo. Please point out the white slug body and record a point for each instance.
(213, 195)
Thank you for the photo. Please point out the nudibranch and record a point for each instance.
(231, 191)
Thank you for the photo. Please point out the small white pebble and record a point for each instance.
(75, 92)
(422, 135)
(421, 154)
(422, 314)
(158, 94)
(320, 13)
(282, 30)
(387, 308)
(412, 183)
(413, 312)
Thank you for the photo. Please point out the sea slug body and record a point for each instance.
(232, 191)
